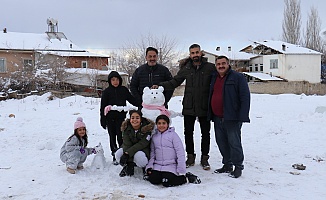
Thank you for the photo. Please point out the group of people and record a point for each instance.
(212, 93)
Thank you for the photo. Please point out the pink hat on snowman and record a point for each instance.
(79, 123)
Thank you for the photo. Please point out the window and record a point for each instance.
(274, 64)
(84, 64)
(28, 64)
(261, 67)
(3, 65)
(256, 67)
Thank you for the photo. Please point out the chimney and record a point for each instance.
(283, 47)
(5, 30)
(229, 48)
(218, 48)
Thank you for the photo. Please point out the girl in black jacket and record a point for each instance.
(115, 94)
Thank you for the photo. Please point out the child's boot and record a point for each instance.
(71, 171)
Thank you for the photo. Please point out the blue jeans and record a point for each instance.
(228, 139)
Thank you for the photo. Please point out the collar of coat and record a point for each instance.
(146, 125)
(187, 61)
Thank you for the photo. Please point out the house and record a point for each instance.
(284, 60)
(27, 51)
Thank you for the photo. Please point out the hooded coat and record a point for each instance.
(115, 96)
(195, 99)
(137, 141)
(167, 153)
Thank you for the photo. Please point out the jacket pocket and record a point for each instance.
(187, 101)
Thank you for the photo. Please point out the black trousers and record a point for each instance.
(205, 126)
(167, 179)
(115, 134)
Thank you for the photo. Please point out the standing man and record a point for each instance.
(150, 74)
(197, 73)
(229, 108)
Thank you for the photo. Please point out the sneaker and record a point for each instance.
(190, 160)
(204, 162)
(115, 162)
(236, 173)
(193, 178)
(71, 171)
(80, 167)
(224, 169)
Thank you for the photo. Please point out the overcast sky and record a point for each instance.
(109, 24)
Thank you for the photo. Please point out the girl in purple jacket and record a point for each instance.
(167, 158)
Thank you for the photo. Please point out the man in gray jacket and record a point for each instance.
(197, 73)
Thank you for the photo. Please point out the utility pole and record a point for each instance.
(160, 55)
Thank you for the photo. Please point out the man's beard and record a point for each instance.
(196, 59)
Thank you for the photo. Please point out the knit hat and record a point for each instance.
(79, 123)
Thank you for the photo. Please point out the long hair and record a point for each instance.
(85, 137)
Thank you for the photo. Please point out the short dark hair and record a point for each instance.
(221, 57)
(151, 49)
(164, 117)
(136, 111)
(194, 46)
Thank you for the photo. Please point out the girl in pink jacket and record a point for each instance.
(167, 158)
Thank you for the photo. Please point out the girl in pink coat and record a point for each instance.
(167, 158)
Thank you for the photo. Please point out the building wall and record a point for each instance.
(14, 61)
(92, 63)
(295, 67)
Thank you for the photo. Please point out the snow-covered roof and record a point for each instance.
(289, 48)
(91, 71)
(236, 55)
(35, 41)
(73, 54)
(263, 76)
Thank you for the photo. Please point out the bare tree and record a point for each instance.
(312, 39)
(133, 54)
(292, 21)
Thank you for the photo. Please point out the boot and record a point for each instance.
(204, 162)
(71, 171)
(123, 171)
(190, 160)
(224, 169)
(130, 168)
(193, 178)
(237, 172)
(115, 162)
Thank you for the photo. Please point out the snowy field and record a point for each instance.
(284, 130)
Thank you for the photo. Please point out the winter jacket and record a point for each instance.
(115, 96)
(136, 141)
(167, 153)
(236, 97)
(147, 76)
(195, 99)
(70, 152)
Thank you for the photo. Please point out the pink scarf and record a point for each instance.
(161, 108)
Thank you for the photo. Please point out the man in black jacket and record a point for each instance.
(197, 73)
(150, 74)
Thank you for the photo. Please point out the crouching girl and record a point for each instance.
(136, 133)
(167, 158)
(74, 151)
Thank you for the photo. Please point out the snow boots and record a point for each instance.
(237, 172)
(193, 178)
(204, 162)
(71, 171)
(190, 160)
(127, 170)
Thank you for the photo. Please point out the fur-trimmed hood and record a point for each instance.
(183, 62)
(146, 125)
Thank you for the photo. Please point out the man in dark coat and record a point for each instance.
(197, 72)
(229, 108)
(115, 94)
(150, 74)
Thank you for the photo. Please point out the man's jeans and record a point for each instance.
(228, 139)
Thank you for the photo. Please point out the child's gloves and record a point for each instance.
(124, 159)
(93, 151)
(82, 150)
(107, 109)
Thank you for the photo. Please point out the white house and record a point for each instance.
(285, 60)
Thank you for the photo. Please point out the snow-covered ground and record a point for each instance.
(284, 130)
